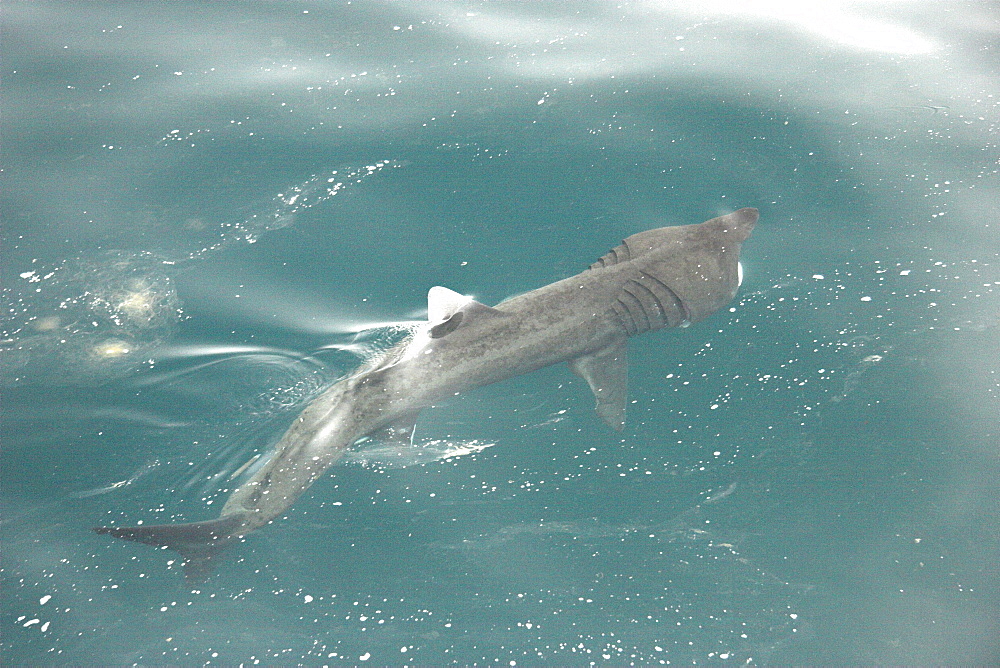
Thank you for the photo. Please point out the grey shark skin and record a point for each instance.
(667, 277)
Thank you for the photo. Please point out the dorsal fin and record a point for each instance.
(444, 304)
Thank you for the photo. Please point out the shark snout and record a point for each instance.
(742, 222)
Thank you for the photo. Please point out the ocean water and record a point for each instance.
(211, 211)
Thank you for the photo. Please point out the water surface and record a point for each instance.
(212, 211)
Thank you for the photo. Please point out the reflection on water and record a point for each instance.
(589, 567)
(87, 320)
(286, 205)
(375, 455)
(94, 318)
(119, 484)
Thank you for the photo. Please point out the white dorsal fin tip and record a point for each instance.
(442, 303)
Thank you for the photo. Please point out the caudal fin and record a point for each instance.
(198, 542)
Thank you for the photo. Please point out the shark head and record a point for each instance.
(679, 275)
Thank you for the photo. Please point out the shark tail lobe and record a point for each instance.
(199, 543)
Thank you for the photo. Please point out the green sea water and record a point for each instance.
(211, 211)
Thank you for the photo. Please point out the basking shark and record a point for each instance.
(667, 277)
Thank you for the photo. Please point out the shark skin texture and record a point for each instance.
(661, 278)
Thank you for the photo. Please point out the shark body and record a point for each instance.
(661, 278)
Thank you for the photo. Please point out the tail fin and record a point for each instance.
(198, 542)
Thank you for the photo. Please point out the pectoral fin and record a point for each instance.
(606, 371)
